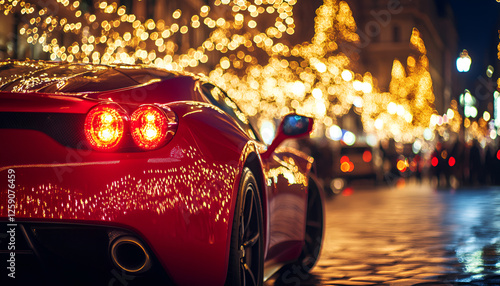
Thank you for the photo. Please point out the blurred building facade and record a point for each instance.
(385, 28)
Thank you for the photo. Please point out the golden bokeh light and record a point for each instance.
(246, 49)
(405, 112)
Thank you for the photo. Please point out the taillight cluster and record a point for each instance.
(367, 156)
(107, 127)
(346, 165)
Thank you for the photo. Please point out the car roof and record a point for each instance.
(75, 78)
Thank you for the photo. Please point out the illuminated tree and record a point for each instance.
(246, 47)
(279, 78)
(405, 112)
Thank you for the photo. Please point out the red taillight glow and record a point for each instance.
(104, 127)
(149, 127)
(401, 165)
(498, 155)
(452, 161)
(434, 161)
(367, 156)
(346, 165)
(347, 192)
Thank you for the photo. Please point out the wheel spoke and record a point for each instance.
(250, 273)
(251, 242)
(242, 227)
(243, 275)
(249, 211)
(246, 252)
(249, 237)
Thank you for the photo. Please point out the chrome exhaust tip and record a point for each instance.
(129, 254)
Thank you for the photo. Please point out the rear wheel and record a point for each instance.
(297, 272)
(314, 227)
(246, 257)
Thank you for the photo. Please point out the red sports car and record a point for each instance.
(133, 175)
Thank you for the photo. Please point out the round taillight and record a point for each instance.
(344, 159)
(345, 167)
(104, 127)
(434, 161)
(149, 125)
(452, 161)
(367, 156)
(401, 165)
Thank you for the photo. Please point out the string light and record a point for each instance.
(404, 113)
(254, 63)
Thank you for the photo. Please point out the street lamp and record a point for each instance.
(464, 61)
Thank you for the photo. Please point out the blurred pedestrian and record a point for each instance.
(475, 164)
(437, 163)
(457, 153)
(496, 167)
(490, 170)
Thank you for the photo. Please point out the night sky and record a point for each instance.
(478, 24)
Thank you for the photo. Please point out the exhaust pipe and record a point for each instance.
(129, 254)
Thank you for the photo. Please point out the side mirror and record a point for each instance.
(292, 126)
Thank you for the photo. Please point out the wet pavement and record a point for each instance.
(409, 235)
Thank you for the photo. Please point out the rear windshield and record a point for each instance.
(52, 77)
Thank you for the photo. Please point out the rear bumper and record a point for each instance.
(58, 253)
(173, 199)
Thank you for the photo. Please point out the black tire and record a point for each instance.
(314, 227)
(298, 272)
(246, 254)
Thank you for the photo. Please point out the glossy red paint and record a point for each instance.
(178, 198)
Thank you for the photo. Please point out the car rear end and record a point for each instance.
(91, 193)
(58, 222)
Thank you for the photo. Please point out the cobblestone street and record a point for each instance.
(409, 235)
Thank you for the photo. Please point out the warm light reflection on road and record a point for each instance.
(410, 235)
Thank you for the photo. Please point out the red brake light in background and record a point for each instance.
(451, 161)
(434, 161)
(367, 156)
(498, 155)
(346, 165)
(344, 159)
(402, 165)
(150, 127)
(104, 127)
(347, 192)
